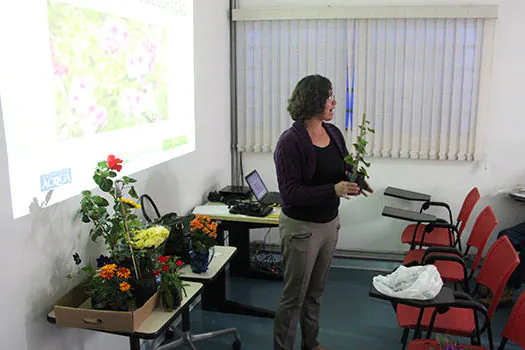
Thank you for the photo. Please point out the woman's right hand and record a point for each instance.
(345, 189)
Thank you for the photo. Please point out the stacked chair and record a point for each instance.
(513, 331)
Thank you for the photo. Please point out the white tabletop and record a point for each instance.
(222, 256)
(220, 211)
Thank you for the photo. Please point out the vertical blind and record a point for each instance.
(418, 80)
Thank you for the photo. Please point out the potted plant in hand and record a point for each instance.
(357, 158)
(171, 286)
(202, 238)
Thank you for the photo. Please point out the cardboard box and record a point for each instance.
(74, 310)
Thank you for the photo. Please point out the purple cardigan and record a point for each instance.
(295, 159)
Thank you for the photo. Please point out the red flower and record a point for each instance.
(165, 267)
(163, 259)
(156, 272)
(114, 163)
(179, 263)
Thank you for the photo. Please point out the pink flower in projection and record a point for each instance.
(81, 96)
(95, 119)
(132, 101)
(59, 69)
(141, 61)
(113, 36)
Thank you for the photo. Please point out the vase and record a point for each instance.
(199, 261)
(171, 299)
(144, 289)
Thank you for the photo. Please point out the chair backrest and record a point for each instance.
(480, 233)
(500, 262)
(466, 208)
(514, 327)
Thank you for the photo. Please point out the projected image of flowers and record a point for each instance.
(109, 72)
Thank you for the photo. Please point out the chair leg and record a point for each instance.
(502, 344)
(404, 337)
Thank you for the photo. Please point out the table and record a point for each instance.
(238, 227)
(159, 320)
(214, 280)
(408, 215)
(405, 194)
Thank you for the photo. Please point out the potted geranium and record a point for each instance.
(171, 286)
(203, 236)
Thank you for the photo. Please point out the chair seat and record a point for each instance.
(456, 321)
(427, 344)
(439, 237)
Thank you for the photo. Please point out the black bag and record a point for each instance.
(179, 239)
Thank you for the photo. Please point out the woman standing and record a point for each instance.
(311, 173)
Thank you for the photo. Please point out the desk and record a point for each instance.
(159, 320)
(409, 215)
(408, 195)
(238, 227)
(214, 280)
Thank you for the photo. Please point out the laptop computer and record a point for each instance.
(260, 190)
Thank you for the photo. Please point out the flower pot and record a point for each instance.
(171, 299)
(353, 177)
(144, 290)
(199, 261)
(99, 304)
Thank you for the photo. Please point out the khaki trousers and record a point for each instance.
(307, 249)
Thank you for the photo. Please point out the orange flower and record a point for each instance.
(124, 286)
(123, 272)
(107, 271)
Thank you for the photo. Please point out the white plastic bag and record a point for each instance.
(416, 282)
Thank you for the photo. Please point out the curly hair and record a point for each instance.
(309, 97)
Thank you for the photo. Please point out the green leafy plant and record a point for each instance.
(110, 221)
(115, 221)
(357, 159)
(171, 286)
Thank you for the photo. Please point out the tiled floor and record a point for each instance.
(350, 319)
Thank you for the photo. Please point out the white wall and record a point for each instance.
(37, 249)
(363, 228)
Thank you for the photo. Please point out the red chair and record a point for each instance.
(449, 260)
(513, 331)
(441, 234)
(461, 318)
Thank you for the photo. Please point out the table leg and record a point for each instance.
(239, 236)
(134, 343)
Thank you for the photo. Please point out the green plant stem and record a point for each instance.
(137, 275)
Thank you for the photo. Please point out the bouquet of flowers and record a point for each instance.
(203, 233)
(171, 286)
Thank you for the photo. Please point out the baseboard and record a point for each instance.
(349, 254)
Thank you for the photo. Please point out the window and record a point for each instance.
(418, 80)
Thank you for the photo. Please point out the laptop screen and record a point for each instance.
(256, 185)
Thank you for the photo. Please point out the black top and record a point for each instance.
(329, 169)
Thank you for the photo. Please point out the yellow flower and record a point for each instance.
(124, 286)
(151, 237)
(130, 202)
